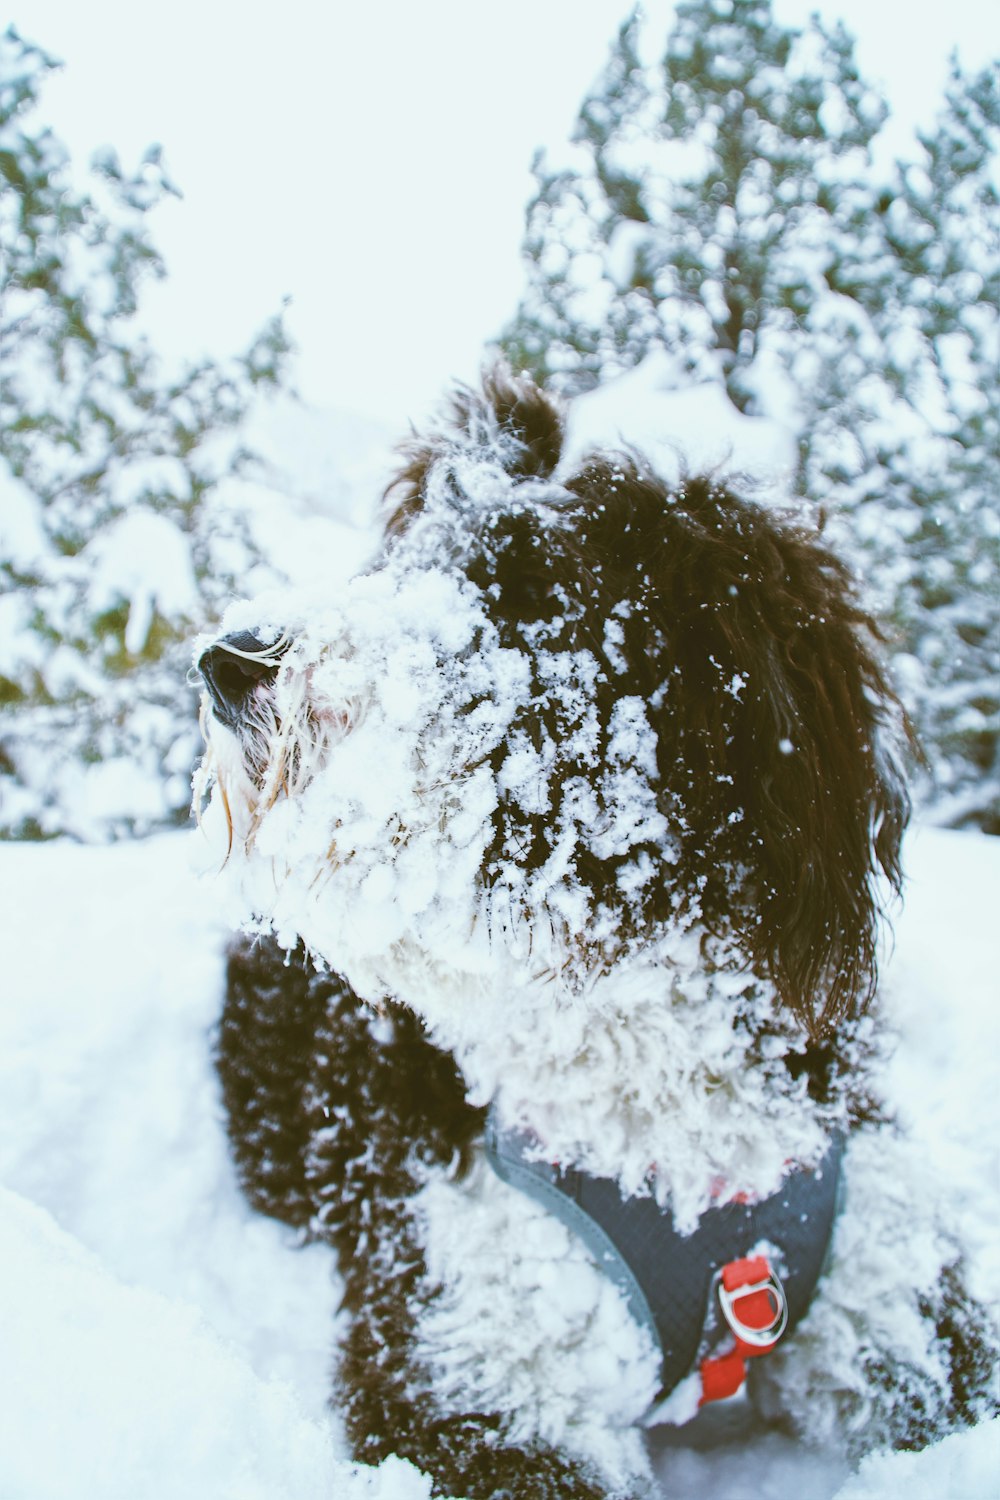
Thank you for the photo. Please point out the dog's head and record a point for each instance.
(564, 716)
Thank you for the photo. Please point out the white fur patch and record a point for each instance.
(640, 1076)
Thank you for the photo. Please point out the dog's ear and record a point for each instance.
(528, 418)
(777, 732)
(509, 418)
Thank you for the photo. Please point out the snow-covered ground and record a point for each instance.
(159, 1340)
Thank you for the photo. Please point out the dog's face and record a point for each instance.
(562, 720)
(451, 748)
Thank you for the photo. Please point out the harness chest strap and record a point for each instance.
(753, 1303)
(669, 1278)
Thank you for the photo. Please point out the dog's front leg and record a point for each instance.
(390, 1396)
(896, 1351)
(481, 1344)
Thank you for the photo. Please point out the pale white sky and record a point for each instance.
(371, 160)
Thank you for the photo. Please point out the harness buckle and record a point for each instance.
(753, 1302)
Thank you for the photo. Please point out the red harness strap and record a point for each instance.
(753, 1304)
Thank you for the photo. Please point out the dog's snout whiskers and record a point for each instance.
(235, 670)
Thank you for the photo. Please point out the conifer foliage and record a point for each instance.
(944, 230)
(719, 204)
(114, 542)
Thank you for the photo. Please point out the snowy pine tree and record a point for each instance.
(113, 545)
(719, 204)
(696, 213)
(901, 436)
(944, 227)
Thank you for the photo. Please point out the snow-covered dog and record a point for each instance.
(563, 830)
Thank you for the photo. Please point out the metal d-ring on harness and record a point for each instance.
(756, 1263)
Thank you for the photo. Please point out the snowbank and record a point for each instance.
(962, 1467)
(120, 1392)
(679, 427)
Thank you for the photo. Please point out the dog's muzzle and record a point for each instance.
(234, 669)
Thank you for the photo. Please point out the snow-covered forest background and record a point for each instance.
(723, 226)
(735, 256)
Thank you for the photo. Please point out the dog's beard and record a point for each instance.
(281, 743)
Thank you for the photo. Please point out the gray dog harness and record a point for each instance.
(714, 1298)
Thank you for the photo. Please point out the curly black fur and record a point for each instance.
(770, 697)
(264, 1056)
(744, 635)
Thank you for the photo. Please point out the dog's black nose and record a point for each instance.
(232, 669)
